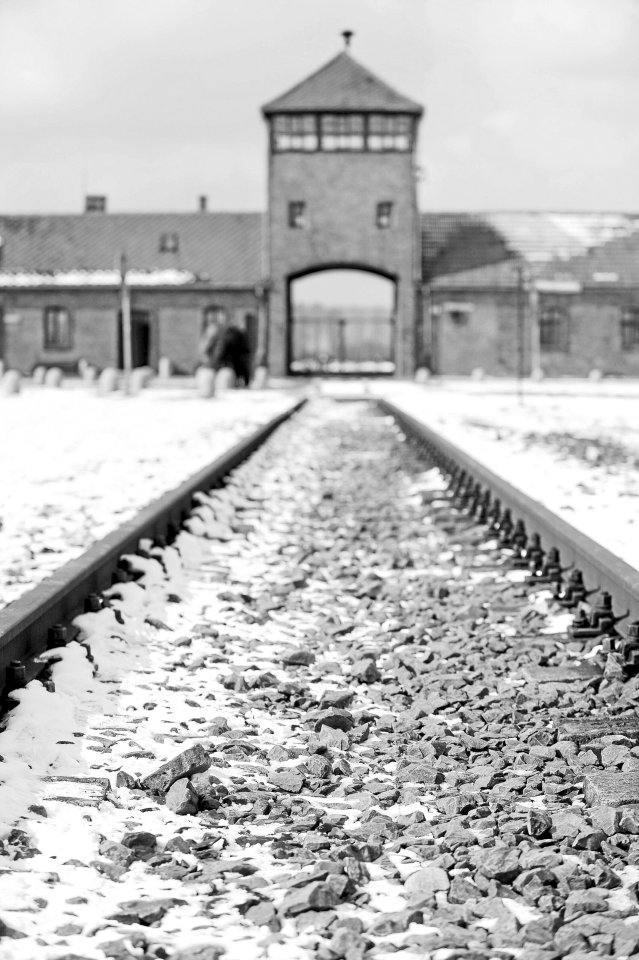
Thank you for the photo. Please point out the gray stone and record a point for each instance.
(313, 896)
(181, 798)
(193, 760)
(290, 780)
(419, 773)
(144, 912)
(423, 883)
(583, 731)
(611, 788)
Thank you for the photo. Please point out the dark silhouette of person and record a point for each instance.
(226, 345)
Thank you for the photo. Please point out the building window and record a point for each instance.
(58, 332)
(389, 132)
(213, 314)
(297, 214)
(295, 132)
(554, 330)
(342, 131)
(630, 328)
(384, 214)
(169, 243)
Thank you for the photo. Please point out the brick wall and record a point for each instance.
(488, 337)
(341, 192)
(175, 324)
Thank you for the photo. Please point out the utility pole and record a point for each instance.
(521, 316)
(125, 310)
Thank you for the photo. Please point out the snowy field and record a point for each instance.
(75, 465)
(573, 445)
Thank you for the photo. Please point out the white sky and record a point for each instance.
(531, 104)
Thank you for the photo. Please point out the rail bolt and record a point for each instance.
(92, 603)
(56, 636)
(16, 675)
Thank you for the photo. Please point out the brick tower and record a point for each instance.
(342, 194)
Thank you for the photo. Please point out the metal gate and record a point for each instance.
(350, 341)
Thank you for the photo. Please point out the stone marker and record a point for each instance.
(205, 382)
(225, 379)
(38, 375)
(10, 383)
(260, 378)
(611, 788)
(108, 380)
(141, 378)
(53, 377)
(165, 368)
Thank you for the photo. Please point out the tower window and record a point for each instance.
(554, 331)
(169, 243)
(630, 329)
(297, 214)
(384, 214)
(342, 131)
(389, 132)
(295, 132)
(58, 331)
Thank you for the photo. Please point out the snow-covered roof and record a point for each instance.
(454, 243)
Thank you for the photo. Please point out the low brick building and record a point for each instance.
(518, 293)
(507, 292)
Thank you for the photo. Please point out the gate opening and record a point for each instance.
(342, 321)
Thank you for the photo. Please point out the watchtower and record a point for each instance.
(342, 194)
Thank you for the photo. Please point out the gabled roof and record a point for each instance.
(215, 248)
(342, 84)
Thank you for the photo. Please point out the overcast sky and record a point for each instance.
(531, 104)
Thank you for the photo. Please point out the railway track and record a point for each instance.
(333, 720)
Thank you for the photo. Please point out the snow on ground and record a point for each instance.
(573, 444)
(75, 465)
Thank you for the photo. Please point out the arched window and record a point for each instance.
(213, 314)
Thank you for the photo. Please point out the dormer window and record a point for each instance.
(169, 243)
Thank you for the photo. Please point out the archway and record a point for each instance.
(341, 320)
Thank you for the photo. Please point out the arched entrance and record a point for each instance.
(341, 320)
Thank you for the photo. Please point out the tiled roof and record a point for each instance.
(342, 84)
(218, 248)
(615, 263)
(459, 242)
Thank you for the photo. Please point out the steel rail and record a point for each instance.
(25, 623)
(602, 569)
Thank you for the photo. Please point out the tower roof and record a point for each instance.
(342, 84)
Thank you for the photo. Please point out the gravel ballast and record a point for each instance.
(327, 731)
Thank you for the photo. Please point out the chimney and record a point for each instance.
(95, 204)
(203, 203)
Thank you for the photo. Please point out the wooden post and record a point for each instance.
(125, 308)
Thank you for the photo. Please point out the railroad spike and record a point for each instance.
(93, 603)
(15, 676)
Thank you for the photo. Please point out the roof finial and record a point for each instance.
(347, 34)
